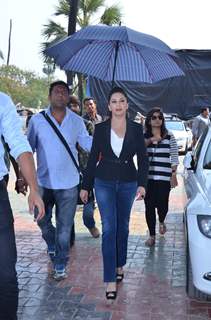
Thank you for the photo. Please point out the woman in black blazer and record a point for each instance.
(112, 172)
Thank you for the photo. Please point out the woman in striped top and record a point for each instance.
(163, 160)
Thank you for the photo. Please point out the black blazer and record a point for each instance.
(104, 164)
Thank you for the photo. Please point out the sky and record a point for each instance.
(182, 24)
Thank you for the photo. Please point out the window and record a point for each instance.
(198, 148)
(175, 125)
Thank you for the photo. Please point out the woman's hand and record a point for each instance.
(173, 181)
(84, 195)
(140, 194)
(156, 138)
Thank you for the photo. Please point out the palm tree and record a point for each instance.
(87, 14)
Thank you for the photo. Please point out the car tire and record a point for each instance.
(191, 290)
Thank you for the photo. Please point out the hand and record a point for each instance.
(84, 195)
(155, 139)
(140, 194)
(35, 200)
(21, 186)
(173, 181)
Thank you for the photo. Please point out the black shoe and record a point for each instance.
(111, 295)
(119, 277)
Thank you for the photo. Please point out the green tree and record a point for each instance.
(49, 69)
(23, 86)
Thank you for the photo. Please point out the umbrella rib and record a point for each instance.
(109, 60)
(77, 52)
(150, 75)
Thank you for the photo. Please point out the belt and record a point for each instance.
(116, 161)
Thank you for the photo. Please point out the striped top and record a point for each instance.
(162, 156)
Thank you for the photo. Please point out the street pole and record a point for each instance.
(9, 43)
(71, 30)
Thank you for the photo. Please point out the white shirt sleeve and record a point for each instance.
(11, 128)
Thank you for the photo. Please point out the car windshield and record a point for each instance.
(175, 125)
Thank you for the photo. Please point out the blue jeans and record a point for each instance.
(115, 200)
(8, 257)
(88, 214)
(59, 237)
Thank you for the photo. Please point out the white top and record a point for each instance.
(116, 143)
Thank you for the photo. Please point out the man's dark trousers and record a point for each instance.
(8, 257)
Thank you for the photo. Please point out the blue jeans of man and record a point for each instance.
(58, 237)
(115, 200)
(88, 214)
(8, 257)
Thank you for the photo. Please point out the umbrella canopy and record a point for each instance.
(116, 54)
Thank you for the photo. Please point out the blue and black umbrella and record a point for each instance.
(116, 54)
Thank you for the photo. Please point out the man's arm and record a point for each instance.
(20, 185)
(21, 151)
(84, 139)
(27, 168)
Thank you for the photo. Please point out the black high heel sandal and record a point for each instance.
(111, 295)
(119, 277)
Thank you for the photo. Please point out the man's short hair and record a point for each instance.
(74, 100)
(87, 99)
(58, 83)
(204, 109)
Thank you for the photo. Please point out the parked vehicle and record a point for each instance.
(25, 115)
(182, 134)
(197, 216)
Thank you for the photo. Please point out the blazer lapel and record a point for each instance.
(108, 137)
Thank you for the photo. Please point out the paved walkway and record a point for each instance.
(154, 284)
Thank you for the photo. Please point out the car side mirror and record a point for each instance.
(188, 161)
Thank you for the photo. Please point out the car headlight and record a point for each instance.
(204, 223)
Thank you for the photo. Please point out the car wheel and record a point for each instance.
(191, 290)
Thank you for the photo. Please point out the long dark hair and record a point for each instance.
(148, 127)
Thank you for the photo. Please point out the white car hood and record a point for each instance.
(179, 134)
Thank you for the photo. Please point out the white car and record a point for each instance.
(197, 178)
(182, 134)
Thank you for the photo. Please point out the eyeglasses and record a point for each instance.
(157, 117)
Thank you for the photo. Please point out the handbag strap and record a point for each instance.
(61, 138)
